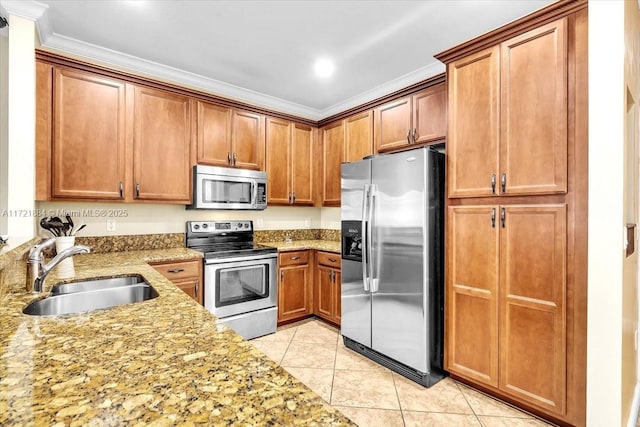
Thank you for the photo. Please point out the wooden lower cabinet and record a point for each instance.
(328, 296)
(294, 285)
(506, 300)
(186, 275)
(309, 284)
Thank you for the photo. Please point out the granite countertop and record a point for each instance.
(298, 245)
(165, 361)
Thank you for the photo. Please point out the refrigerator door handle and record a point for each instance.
(365, 248)
(373, 281)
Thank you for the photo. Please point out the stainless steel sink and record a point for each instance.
(99, 294)
(96, 284)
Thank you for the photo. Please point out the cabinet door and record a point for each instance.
(472, 293)
(358, 136)
(534, 111)
(430, 114)
(332, 147)
(278, 161)
(302, 164)
(324, 303)
(191, 288)
(472, 139)
(214, 134)
(162, 146)
(248, 140)
(337, 296)
(532, 304)
(293, 292)
(88, 152)
(392, 125)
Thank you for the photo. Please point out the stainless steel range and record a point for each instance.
(240, 278)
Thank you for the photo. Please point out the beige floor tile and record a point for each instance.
(316, 332)
(310, 355)
(348, 359)
(438, 419)
(284, 335)
(441, 397)
(318, 380)
(510, 422)
(275, 350)
(485, 405)
(368, 417)
(366, 389)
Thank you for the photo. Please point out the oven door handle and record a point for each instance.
(244, 258)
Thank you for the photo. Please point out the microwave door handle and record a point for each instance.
(254, 192)
(363, 234)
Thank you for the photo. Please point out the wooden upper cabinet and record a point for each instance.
(88, 147)
(229, 137)
(533, 247)
(278, 155)
(430, 114)
(392, 125)
(247, 140)
(417, 119)
(508, 117)
(472, 139)
(533, 156)
(358, 142)
(214, 134)
(333, 137)
(161, 146)
(44, 119)
(472, 292)
(302, 183)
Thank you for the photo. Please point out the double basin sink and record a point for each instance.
(92, 294)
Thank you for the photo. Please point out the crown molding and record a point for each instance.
(31, 10)
(394, 85)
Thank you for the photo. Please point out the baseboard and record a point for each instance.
(635, 407)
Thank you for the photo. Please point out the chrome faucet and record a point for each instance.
(37, 270)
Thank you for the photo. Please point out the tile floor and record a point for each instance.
(372, 395)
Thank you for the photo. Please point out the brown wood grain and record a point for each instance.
(278, 159)
(429, 117)
(358, 141)
(332, 145)
(248, 140)
(44, 129)
(392, 125)
(302, 182)
(214, 134)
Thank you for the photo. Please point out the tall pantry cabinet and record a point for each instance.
(516, 228)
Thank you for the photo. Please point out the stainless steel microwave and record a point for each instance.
(227, 188)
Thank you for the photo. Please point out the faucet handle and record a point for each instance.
(35, 254)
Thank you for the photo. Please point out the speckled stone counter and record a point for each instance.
(160, 362)
(298, 245)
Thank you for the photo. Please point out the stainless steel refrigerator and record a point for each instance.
(393, 263)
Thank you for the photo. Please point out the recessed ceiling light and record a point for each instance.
(324, 67)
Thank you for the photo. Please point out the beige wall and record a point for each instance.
(141, 218)
(630, 283)
(605, 216)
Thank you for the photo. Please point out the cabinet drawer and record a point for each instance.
(179, 270)
(329, 258)
(293, 258)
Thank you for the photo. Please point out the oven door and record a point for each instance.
(240, 285)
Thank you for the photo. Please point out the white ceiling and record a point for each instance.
(263, 51)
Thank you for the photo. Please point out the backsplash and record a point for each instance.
(134, 242)
(12, 266)
(304, 234)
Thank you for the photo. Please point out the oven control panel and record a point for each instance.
(213, 227)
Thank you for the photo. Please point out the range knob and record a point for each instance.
(196, 226)
(205, 225)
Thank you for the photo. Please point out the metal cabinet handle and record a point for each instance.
(493, 218)
(503, 182)
(493, 183)
(414, 136)
(503, 217)
(282, 275)
(409, 136)
(333, 259)
(234, 159)
(197, 288)
(137, 190)
(228, 157)
(290, 198)
(294, 198)
(332, 276)
(176, 270)
(295, 258)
